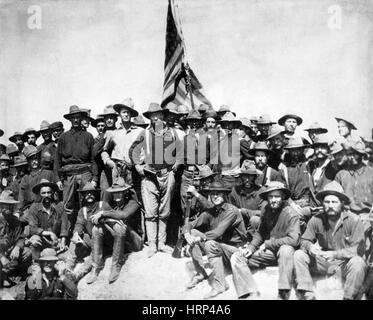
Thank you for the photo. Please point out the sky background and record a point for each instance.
(263, 56)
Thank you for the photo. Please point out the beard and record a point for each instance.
(46, 200)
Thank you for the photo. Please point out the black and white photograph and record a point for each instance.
(195, 150)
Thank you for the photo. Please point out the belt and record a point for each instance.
(190, 168)
(75, 171)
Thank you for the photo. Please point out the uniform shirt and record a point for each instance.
(160, 148)
(40, 220)
(269, 174)
(358, 186)
(277, 229)
(249, 203)
(75, 147)
(11, 233)
(298, 182)
(118, 143)
(347, 240)
(128, 212)
(223, 225)
(26, 197)
(83, 222)
(55, 289)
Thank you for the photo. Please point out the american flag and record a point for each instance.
(176, 69)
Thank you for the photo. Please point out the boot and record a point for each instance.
(151, 233)
(162, 237)
(92, 277)
(117, 258)
(84, 269)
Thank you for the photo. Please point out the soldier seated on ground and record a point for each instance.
(49, 279)
(218, 232)
(14, 257)
(47, 221)
(273, 243)
(122, 224)
(81, 241)
(341, 245)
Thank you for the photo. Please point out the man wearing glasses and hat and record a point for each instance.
(223, 232)
(110, 116)
(16, 138)
(123, 223)
(276, 142)
(74, 163)
(247, 139)
(357, 179)
(162, 149)
(15, 258)
(273, 243)
(340, 246)
(50, 280)
(115, 154)
(46, 134)
(47, 221)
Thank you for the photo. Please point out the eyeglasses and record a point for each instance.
(210, 121)
(100, 126)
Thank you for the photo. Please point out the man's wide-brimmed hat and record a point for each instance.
(140, 122)
(210, 114)
(229, 117)
(248, 167)
(75, 110)
(205, 172)
(245, 122)
(56, 125)
(108, 111)
(316, 127)
(154, 107)
(7, 197)
(15, 135)
(265, 119)
(275, 130)
(295, 142)
(272, 186)
(30, 151)
(88, 187)
(218, 186)
(30, 131)
(11, 149)
(172, 108)
(193, 115)
(347, 121)
(119, 186)
(253, 119)
(336, 148)
(359, 147)
(97, 120)
(260, 146)
(48, 254)
(20, 161)
(223, 109)
(44, 126)
(4, 157)
(203, 108)
(290, 115)
(44, 183)
(183, 109)
(333, 188)
(321, 139)
(127, 104)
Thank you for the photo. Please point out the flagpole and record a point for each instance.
(189, 85)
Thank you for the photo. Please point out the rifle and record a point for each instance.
(180, 240)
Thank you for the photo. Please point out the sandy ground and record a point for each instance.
(163, 278)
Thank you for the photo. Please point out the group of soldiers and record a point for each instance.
(244, 192)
